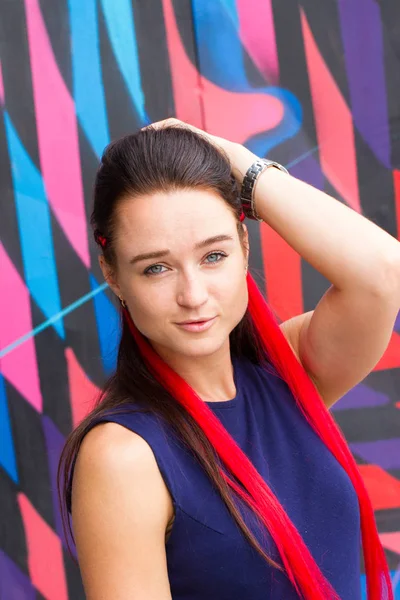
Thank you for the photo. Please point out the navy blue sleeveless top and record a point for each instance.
(208, 556)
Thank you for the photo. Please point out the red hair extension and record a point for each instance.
(378, 578)
(299, 564)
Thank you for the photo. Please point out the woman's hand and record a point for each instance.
(239, 156)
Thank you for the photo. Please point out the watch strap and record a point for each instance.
(249, 181)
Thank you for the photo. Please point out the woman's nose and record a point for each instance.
(192, 291)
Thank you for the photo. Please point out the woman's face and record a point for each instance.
(192, 280)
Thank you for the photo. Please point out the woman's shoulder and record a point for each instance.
(124, 431)
(109, 442)
(132, 416)
(120, 504)
(116, 440)
(111, 452)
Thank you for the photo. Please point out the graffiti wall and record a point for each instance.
(312, 84)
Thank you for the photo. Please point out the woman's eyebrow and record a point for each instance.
(160, 253)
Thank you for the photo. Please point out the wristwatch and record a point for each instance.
(249, 180)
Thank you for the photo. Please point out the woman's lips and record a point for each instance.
(199, 326)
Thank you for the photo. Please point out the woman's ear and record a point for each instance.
(109, 276)
(246, 242)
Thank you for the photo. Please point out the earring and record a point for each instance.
(245, 269)
(122, 302)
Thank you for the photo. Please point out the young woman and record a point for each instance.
(211, 467)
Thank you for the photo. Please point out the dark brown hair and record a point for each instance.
(146, 162)
(172, 158)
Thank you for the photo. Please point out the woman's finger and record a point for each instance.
(167, 123)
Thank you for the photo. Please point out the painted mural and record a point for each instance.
(314, 85)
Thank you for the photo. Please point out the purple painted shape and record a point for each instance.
(385, 453)
(54, 443)
(361, 396)
(308, 169)
(361, 27)
(397, 323)
(14, 584)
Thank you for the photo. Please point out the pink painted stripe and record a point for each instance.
(334, 124)
(57, 135)
(2, 97)
(391, 541)
(235, 116)
(186, 83)
(242, 115)
(258, 36)
(19, 366)
(45, 556)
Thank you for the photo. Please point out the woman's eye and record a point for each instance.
(220, 256)
(215, 258)
(149, 271)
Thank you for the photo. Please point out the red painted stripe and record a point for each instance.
(45, 555)
(82, 391)
(282, 267)
(383, 489)
(334, 123)
(391, 358)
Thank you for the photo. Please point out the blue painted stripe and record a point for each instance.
(52, 320)
(108, 328)
(221, 61)
(301, 157)
(395, 582)
(219, 47)
(87, 76)
(7, 453)
(231, 12)
(121, 29)
(34, 224)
